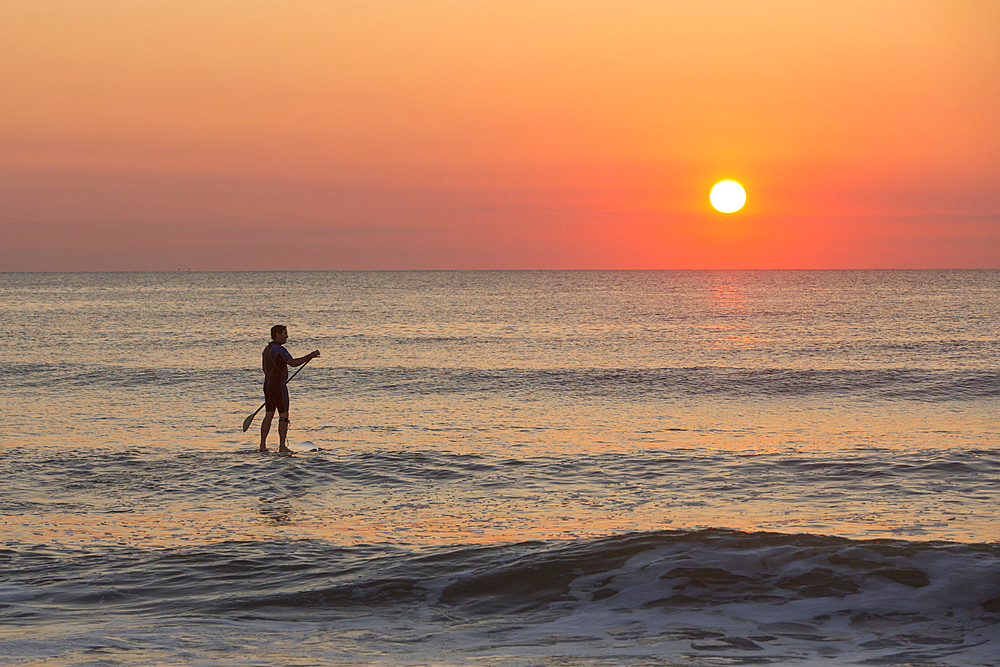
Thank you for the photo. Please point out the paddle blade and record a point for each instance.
(249, 419)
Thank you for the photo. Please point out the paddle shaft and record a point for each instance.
(249, 420)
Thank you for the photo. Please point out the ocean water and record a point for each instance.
(503, 468)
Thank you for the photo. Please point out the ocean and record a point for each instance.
(503, 469)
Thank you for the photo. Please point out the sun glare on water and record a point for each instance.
(728, 196)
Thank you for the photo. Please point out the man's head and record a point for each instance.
(278, 330)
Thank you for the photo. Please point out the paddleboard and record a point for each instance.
(296, 448)
(306, 446)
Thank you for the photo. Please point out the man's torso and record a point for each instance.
(275, 363)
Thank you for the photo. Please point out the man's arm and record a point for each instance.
(301, 360)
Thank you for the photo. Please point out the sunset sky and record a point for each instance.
(424, 134)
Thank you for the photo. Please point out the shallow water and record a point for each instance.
(504, 468)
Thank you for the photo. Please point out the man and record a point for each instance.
(275, 361)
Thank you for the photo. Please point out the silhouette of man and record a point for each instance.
(275, 360)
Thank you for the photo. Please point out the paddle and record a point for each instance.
(249, 420)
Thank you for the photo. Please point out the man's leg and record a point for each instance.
(265, 428)
(283, 430)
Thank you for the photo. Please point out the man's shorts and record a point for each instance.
(276, 398)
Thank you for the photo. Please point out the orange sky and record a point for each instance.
(422, 134)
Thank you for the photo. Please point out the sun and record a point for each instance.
(728, 196)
